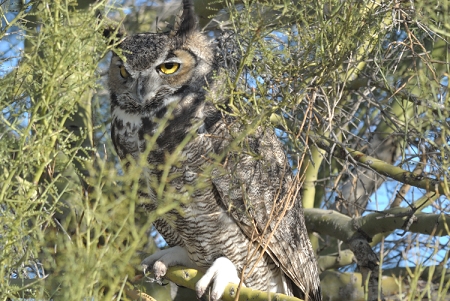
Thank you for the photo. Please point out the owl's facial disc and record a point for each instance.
(154, 71)
(161, 81)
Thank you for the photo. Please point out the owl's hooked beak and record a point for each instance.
(146, 87)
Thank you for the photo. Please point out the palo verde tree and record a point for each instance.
(356, 90)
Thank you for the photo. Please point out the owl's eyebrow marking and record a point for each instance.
(171, 55)
(173, 59)
(119, 63)
(195, 57)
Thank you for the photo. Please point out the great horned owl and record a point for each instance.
(244, 212)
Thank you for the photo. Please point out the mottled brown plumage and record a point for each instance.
(243, 199)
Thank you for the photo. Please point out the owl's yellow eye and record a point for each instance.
(169, 68)
(123, 72)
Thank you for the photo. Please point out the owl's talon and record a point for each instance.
(159, 269)
(220, 274)
(163, 259)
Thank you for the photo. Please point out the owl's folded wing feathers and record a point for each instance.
(260, 192)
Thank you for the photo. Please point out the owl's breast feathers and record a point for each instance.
(248, 195)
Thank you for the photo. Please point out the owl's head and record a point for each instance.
(161, 68)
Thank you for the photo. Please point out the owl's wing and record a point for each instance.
(260, 192)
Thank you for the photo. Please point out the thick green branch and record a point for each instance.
(337, 260)
(343, 227)
(382, 167)
(188, 278)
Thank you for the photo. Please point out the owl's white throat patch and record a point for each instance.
(127, 126)
(130, 121)
(171, 99)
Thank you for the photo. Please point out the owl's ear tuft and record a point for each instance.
(111, 30)
(188, 23)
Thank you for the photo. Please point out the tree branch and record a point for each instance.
(186, 277)
(382, 167)
(336, 260)
(343, 227)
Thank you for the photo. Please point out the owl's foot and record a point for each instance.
(220, 274)
(161, 260)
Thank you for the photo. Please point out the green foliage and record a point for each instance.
(59, 211)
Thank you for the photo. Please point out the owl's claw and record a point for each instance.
(222, 272)
(219, 275)
(159, 269)
(161, 260)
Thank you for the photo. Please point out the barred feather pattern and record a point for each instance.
(241, 202)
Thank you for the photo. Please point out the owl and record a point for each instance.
(241, 212)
